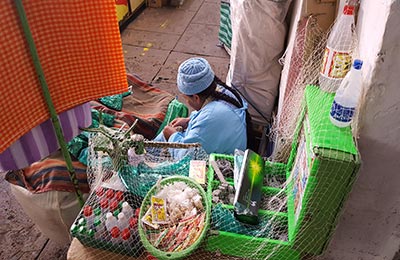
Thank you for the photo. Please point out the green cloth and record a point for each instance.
(78, 145)
(175, 109)
(108, 120)
(140, 179)
(225, 27)
(115, 101)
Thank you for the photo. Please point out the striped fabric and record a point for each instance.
(148, 104)
(225, 28)
(42, 141)
(80, 50)
(50, 174)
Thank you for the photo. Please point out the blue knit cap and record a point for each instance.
(194, 76)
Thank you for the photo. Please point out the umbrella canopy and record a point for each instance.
(79, 47)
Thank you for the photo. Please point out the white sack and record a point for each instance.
(258, 36)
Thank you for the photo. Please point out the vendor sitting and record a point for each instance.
(219, 120)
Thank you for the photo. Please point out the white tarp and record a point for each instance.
(258, 37)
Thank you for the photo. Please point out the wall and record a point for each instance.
(370, 224)
(369, 227)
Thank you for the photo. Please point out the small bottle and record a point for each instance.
(123, 221)
(90, 233)
(337, 56)
(133, 222)
(119, 195)
(104, 205)
(100, 229)
(89, 216)
(115, 235)
(114, 205)
(97, 211)
(99, 192)
(74, 230)
(126, 235)
(127, 209)
(116, 212)
(347, 96)
(111, 221)
(82, 231)
(82, 222)
(110, 194)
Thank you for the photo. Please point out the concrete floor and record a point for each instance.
(157, 41)
(154, 45)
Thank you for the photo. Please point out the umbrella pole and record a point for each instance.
(49, 102)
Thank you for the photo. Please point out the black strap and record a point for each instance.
(251, 139)
(251, 104)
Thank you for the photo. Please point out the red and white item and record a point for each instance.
(125, 236)
(115, 235)
(111, 221)
(338, 52)
(123, 221)
(89, 216)
(127, 209)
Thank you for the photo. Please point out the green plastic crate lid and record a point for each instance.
(323, 133)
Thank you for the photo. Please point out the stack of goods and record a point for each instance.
(109, 221)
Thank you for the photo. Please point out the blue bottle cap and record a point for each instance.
(357, 64)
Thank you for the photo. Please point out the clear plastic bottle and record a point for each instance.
(337, 56)
(347, 96)
(123, 221)
(111, 221)
(127, 209)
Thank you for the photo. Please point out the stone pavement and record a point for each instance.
(154, 45)
(19, 238)
(158, 40)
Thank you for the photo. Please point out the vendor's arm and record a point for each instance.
(180, 121)
(192, 134)
(168, 131)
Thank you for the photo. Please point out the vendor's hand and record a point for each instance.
(168, 131)
(180, 121)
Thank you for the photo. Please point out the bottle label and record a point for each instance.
(341, 113)
(335, 64)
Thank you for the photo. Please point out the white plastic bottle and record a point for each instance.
(111, 221)
(127, 209)
(347, 96)
(123, 221)
(337, 56)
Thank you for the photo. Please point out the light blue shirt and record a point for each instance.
(219, 127)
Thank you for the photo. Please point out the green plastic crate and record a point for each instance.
(331, 161)
(245, 246)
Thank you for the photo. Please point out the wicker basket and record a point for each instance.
(159, 254)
